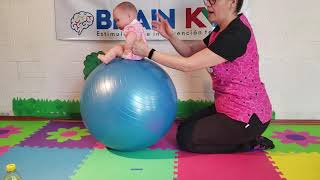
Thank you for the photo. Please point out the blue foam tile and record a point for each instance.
(43, 163)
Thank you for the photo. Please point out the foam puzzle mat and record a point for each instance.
(61, 150)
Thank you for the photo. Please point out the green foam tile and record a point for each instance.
(312, 130)
(18, 131)
(139, 165)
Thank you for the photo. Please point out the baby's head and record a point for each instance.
(124, 13)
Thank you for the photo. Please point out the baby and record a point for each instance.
(125, 16)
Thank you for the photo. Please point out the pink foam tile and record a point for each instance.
(4, 149)
(248, 166)
(168, 141)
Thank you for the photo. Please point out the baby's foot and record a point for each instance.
(104, 58)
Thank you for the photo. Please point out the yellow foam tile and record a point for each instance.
(297, 166)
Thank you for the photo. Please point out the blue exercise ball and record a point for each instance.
(128, 105)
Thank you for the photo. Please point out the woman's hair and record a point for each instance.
(127, 6)
(239, 6)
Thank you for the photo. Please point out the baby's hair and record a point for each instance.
(127, 6)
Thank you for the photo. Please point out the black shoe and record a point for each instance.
(263, 143)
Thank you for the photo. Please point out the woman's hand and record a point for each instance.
(140, 48)
(162, 26)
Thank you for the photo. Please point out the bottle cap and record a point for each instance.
(11, 167)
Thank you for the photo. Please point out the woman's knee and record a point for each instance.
(184, 136)
(185, 145)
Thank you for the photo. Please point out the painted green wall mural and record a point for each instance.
(71, 109)
(90, 63)
(46, 108)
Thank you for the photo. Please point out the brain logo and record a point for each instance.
(81, 20)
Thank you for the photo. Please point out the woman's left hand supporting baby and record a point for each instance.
(140, 48)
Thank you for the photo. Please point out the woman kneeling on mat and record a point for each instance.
(242, 110)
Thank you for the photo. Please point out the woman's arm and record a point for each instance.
(186, 49)
(202, 59)
(182, 47)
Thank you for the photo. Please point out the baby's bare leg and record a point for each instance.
(114, 52)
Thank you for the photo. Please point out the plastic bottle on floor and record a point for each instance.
(12, 174)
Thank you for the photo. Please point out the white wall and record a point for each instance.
(289, 42)
(34, 64)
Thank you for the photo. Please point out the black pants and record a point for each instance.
(208, 131)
